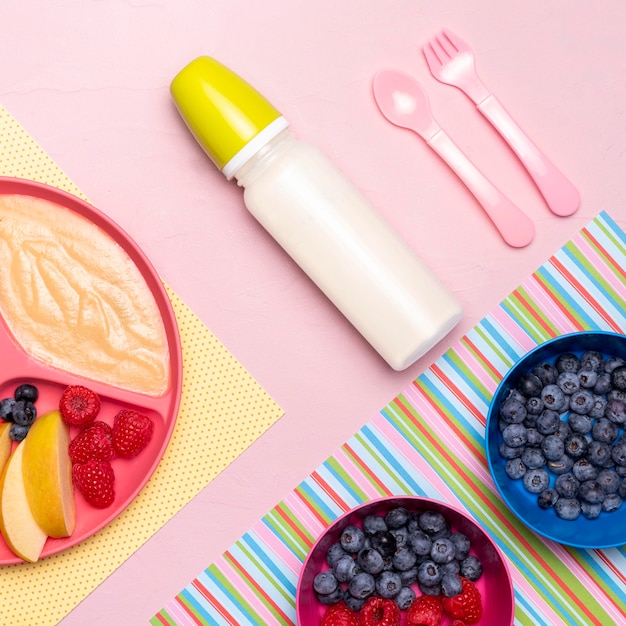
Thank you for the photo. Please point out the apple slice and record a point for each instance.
(5, 444)
(47, 470)
(17, 524)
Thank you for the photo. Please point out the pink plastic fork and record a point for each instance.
(451, 61)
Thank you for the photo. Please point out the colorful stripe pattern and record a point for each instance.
(429, 441)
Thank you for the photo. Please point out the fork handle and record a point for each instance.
(560, 195)
(515, 227)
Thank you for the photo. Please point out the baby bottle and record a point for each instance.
(317, 215)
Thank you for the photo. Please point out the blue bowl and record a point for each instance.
(606, 531)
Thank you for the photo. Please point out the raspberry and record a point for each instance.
(467, 606)
(339, 615)
(425, 611)
(93, 443)
(379, 611)
(95, 480)
(79, 405)
(131, 432)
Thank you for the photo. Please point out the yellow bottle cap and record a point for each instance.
(227, 116)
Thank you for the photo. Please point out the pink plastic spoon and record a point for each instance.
(404, 103)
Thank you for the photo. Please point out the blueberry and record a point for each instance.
(562, 465)
(584, 470)
(533, 458)
(552, 447)
(546, 372)
(430, 590)
(616, 394)
(615, 411)
(404, 559)
(345, 569)
(604, 430)
(567, 486)
(618, 378)
(568, 382)
(567, 362)
(548, 422)
(590, 511)
(599, 453)
(374, 523)
(599, 406)
(513, 411)
(400, 534)
(471, 568)
(536, 480)
(334, 553)
(611, 503)
(534, 406)
(330, 598)
(24, 412)
(506, 452)
(370, 561)
(580, 423)
(529, 384)
(419, 542)
(563, 430)
(581, 402)
(442, 550)
(591, 491)
(26, 392)
(405, 598)
(433, 522)
(6, 407)
(603, 383)
(609, 481)
(567, 508)
(547, 498)
(613, 362)
(384, 542)
(575, 445)
(587, 378)
(352, 539)
(618, 453)
(17, 432)
(593, 360)
(354, 604)
(534, 437)
(396, 517)
(451, 585)
(414, 522)
(514, 435)
(409, 576)
(429, 573)
(325, 582)
(462, 545)
(388, 584)
(553, 397)
(515, 468)
(362, 585)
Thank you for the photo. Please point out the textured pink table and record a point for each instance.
(89, 80)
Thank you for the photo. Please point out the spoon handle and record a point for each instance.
(514, 226)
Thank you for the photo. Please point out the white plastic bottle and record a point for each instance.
(317, 215)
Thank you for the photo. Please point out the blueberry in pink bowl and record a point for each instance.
(396, 552)
(556, 442)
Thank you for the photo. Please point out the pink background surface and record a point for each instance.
(89, 81)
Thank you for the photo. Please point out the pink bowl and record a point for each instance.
(495, 585)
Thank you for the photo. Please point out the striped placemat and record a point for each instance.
(429, 441)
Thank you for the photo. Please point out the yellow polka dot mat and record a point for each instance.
(239, 409)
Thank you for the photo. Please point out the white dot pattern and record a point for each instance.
(216, 389)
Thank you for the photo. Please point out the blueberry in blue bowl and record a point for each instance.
(556, 439)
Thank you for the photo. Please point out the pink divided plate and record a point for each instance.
(495, 585)
(17, 367)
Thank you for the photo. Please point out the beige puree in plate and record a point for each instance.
(73, 298)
